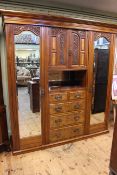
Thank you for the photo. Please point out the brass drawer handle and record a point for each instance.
(58, 121)
(58, 109)
(77, 106)
(58, 97)
(77, 130)
(77, 95)
(76, 118)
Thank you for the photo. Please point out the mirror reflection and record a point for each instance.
(27, 61)
(100, 80)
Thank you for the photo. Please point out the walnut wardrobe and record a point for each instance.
(73, 88)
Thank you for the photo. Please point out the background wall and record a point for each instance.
(4, 74)
(50, 7)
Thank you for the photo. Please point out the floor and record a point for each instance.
(29, 122)
(87, 157)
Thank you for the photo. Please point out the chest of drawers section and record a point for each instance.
(67, 113)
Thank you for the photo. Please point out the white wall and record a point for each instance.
(4, 74)
(23, 50)
(115, 58)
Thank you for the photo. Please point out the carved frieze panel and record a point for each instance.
(98, 35)
(21, 28)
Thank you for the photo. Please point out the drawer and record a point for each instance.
(58, 97)
(67, 119)
(78, 105)
(60, 108)
(77, 94)
(66, 133)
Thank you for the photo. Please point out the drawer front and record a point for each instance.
(78, 105)
(66, 133)
(60, 108)
(76, 131)
(77, 95)
(58, 97)
(67, 119)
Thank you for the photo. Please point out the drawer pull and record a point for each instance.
(58, 121)
(58, 97)
(58, 109)
(77, 95)
(76, 118)
(77, 106)
(77, 130)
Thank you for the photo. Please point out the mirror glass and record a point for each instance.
(27, 61)
(100, 80)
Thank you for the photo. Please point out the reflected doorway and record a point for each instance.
(100, 80)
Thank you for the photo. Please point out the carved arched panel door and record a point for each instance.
(58, 47)
(77, 49)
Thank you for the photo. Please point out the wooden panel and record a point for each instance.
(53, 59)
(77, 95)
(58, 97)
(67, 119)
(82, 58)
(54, 43)
(31, 142)
(82, 44)
(66, 133)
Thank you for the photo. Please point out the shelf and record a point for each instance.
(64, 88)
(80, 68)
(25, 63)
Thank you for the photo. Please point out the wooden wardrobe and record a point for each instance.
(76, 65)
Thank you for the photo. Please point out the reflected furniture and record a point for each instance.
(101, 80)
(34, 93)
(23, 76)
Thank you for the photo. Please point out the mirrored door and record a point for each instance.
(99, 80)
(27, 63)
(28, 72)
(26, 51)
